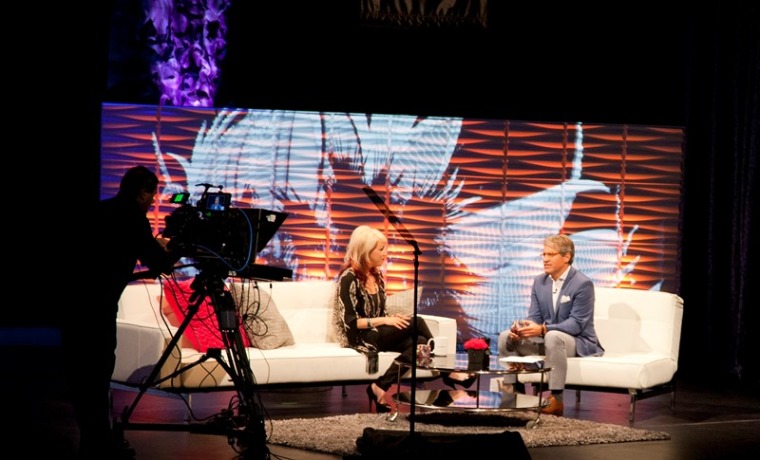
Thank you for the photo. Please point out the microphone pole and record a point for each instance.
(388, 214)
(415, 335)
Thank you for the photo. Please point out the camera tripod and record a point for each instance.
(247, 428)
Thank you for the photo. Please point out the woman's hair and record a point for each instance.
(562, 244)
(363, 240)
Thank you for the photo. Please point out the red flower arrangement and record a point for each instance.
(476, 344)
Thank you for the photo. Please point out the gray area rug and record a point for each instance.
(337, 435)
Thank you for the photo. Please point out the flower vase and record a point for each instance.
(477, 360)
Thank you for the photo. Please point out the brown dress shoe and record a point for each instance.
(554, 407)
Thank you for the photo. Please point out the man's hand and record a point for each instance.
(524, 328)
(164, 242)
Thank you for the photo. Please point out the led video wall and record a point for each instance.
(477, 196)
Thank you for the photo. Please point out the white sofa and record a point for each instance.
(641, 333)
(314, 359)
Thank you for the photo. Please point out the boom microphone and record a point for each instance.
(207, 186)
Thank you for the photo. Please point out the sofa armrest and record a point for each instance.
(137, 345)
(441, 326)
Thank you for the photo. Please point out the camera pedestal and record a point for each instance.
(247, 428)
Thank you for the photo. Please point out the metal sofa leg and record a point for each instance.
(632, 409)
(343, 391)
(189, 411)
(577, 397)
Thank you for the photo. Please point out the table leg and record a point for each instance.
(393, 415)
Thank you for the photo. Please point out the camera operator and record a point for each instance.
(119, 236)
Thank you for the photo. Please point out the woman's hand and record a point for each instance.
(398, 321)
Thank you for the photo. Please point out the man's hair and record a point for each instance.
(137, 179)
(563, 244)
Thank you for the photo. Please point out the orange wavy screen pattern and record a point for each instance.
(477, 195)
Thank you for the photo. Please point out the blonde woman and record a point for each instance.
(360, 316)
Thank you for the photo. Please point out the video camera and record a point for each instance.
(213, 230)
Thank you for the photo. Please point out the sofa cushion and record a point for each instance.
(402, 302)
(264, 325)
(307, 307)
(140, 301)
(312, 325)
(203, 329)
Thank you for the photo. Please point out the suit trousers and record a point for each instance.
(556, 346)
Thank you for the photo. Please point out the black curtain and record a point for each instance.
(720, 209)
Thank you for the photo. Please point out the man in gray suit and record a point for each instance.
(560, 322)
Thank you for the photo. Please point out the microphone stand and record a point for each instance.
(388, 214)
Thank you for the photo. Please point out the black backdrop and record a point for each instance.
(697, 68)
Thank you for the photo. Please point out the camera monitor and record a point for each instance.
(217, 202)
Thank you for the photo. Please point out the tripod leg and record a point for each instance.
(253, 437)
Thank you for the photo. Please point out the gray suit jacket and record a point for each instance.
(574, 313)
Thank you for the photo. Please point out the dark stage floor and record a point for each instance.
(711, 419)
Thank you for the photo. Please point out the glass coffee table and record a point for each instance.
(474, 399)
